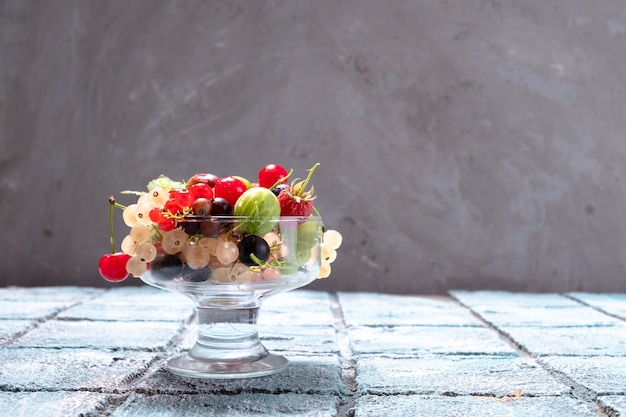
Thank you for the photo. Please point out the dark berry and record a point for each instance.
(190, 227)
(210, 229)
(201, 206)
(221, 207)
(166, 267)
(276, 190)
(251, 247)
(195, 275)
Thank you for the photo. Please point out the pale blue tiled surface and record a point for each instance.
(93, 352)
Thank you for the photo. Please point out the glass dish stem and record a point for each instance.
(227, 346)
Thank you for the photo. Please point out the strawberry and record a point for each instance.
(295, 200)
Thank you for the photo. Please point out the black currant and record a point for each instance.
(221, 207)
(251, 247)
(276, 190)
(195, 275)
(166, 267)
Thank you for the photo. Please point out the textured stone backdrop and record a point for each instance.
(464, 144)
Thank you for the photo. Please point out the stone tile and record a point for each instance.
(31, 310)
(133, 304)
(541, 310)
(90, 334)
(120, 311)
(454, 375)
(470, 406)
(69, 369)
(304, 375)
(603, 375)
(67, 294)
(240, 405)
(301, 307)
(428, 340)
(53, 404)
(568, 341)
(12, 328)
(611, 303)
(579, 316)
(369, 309)
(617, 404)
(486, 299)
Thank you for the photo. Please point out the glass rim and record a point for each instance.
(247, 218)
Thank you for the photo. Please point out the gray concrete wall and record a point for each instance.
(464, 144)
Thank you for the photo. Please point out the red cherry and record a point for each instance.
(230, 189)
(209, 179)
(112, 266)
(271, 174)
(201, 190)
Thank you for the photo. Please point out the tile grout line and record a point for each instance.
(581, 302)
(578, 391)
(489, 325)
(346, 359)
(37, 322)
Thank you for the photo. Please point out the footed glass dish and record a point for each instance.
(227, 265)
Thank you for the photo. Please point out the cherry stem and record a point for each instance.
(112, 203)
(280, 181)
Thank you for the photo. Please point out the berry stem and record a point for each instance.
(301, 186)
(112, 204)
(280, 180)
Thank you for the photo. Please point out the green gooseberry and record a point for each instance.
(308, 234)
(262, 208)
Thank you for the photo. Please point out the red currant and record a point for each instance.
(156, 214)
(112, 266)
(271, 174)
(230, 189)
(182, 197)
(167, 224)
(178, 201)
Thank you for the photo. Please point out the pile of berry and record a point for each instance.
(184, 229)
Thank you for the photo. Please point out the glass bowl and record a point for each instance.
(227, 266)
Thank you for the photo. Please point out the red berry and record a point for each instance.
(290, 206)
(173, 207)
(156, 214)
(201, 190)
(182, 197)
(271, 174)
(209, 179)
(296, 200)
(230, 189)
(112, 266)
(201, 207)
(167, 224)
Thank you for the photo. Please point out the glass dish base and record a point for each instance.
(188, 366)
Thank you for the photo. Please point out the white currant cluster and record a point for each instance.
(331, 241)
